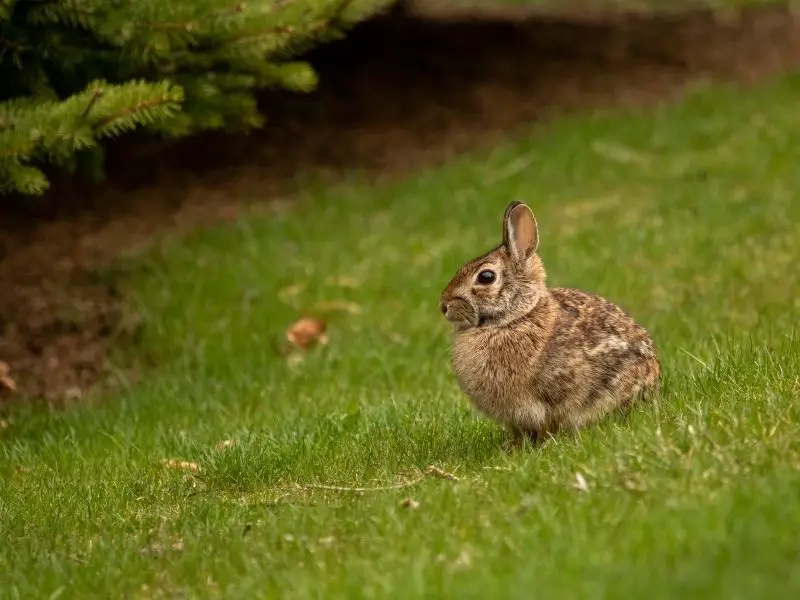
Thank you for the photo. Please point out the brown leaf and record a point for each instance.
(6, 381)
(409, 503)
(437, 472)
(305, 332)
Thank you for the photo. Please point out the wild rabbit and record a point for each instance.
(538, 359)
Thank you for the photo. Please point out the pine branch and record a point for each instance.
(55, 131)
(78, 71)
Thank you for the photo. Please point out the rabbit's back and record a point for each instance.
(597, 359)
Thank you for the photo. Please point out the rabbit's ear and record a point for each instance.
(520, 231)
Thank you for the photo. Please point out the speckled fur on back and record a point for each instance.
(539, 359)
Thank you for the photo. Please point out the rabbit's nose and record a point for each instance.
(443, 308)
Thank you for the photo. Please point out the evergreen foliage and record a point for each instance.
(76, 71)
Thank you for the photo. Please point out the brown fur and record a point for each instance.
(539, 359)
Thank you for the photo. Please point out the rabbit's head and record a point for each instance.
(503, 285)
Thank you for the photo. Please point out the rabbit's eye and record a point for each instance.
(486, 277)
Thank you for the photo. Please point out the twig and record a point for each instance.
(95, 95)
(336, 488)
(132, 109)
(437, 472)
(431, 471)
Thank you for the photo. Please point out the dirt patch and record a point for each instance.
(402, 91)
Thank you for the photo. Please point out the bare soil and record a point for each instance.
(403, 90)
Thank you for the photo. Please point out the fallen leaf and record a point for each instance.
(409, 503)
(437, 472)
(580, 483)
(6, 381)
(225, 444)
(4, 424)
(306, 332)
(180, 464)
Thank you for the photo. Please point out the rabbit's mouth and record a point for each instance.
(460, 312)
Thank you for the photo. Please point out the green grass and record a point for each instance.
(688, 216)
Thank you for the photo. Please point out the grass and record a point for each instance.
(687, 216)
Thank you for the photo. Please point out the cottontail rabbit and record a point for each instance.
(539, 359)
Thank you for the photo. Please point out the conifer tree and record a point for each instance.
(74, 72)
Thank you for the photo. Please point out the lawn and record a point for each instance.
(686, 215)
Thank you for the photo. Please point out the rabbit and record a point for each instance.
(535, 359)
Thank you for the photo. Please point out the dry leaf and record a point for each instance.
(4, 424)
(225, 444)
(437, 472)
(580, 483)
(306, 332)
(343, 305)
(180, 464)
(409, 503)
(6, 380)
